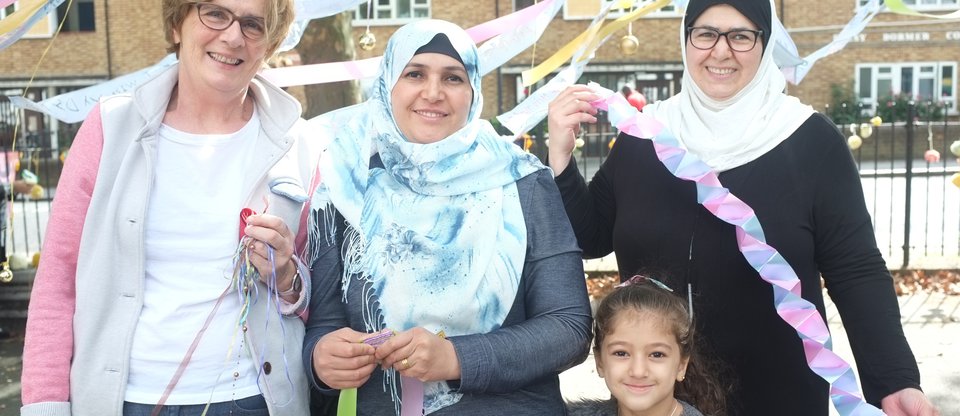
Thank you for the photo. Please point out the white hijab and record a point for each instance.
(733, 132)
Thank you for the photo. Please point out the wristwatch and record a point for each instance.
(297, 283)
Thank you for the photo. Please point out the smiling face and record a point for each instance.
(721, 72)
(431, 99)
(640, 361)
(220, 61)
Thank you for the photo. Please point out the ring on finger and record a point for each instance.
(405, 363)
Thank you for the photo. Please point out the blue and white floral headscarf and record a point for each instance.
(438, 234)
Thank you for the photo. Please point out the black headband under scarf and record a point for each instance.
(757, 11)
(440, 44)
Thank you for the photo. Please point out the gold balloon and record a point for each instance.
(955, 148)
(866, 130)
(876, 121)
(854, 142)
(368, 41)
(629, 44)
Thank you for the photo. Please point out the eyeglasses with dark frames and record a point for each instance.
(739, 40)
(220, 18)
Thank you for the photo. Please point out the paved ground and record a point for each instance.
(11, 349)
(931, 322)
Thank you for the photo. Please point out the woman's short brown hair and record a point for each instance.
(278, 17)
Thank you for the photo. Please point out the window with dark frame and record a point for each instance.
(79, 18)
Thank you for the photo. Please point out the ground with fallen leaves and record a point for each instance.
(906, 282)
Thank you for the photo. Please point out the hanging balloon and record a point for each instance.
(854, 142)
(853, 128)
(955, 148)
(956, 179)
(876, 121)
(866, 130)
(629, 44)
(368, 41)
(931, 156)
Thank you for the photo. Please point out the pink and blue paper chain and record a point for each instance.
(772, 267)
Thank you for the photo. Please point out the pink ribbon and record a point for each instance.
(411, 403)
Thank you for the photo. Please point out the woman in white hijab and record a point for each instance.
(792, 167)
(427, 222)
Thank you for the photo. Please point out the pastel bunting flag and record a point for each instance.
(14, 26)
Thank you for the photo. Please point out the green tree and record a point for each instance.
(329, 39)
(844, 106)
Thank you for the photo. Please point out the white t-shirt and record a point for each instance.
(191, 235)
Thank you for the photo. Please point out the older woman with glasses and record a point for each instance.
(168, 282)
(790, 165)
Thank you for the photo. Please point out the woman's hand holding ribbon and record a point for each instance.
(264, 230)
(341, 359)
(564, 116)
(420, 354)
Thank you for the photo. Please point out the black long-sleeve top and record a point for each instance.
(807, 195)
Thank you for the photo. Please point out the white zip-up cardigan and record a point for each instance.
(81, 319)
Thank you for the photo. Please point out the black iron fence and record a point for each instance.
(907, 171)
(29, 174)
(910, 194)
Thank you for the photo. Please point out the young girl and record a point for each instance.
(644, 351)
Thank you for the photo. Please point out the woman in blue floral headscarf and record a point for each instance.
(428, 224)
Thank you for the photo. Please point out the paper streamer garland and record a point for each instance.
(533, 109)
(795, 69)
(769, 264)
(72, 107)
(14, 26)
(511, 35)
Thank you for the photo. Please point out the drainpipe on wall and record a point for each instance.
(496, 12)
(106, 24)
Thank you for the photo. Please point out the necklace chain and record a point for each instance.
(673, 412)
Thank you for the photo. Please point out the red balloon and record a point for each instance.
(637, 100)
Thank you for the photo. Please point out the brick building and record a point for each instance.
(103, 39)
(100, 40)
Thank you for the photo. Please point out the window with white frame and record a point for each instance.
(391, 12)
(6, 11)
(925, 5)
(923, 81)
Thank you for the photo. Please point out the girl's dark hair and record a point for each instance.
(700, 386)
